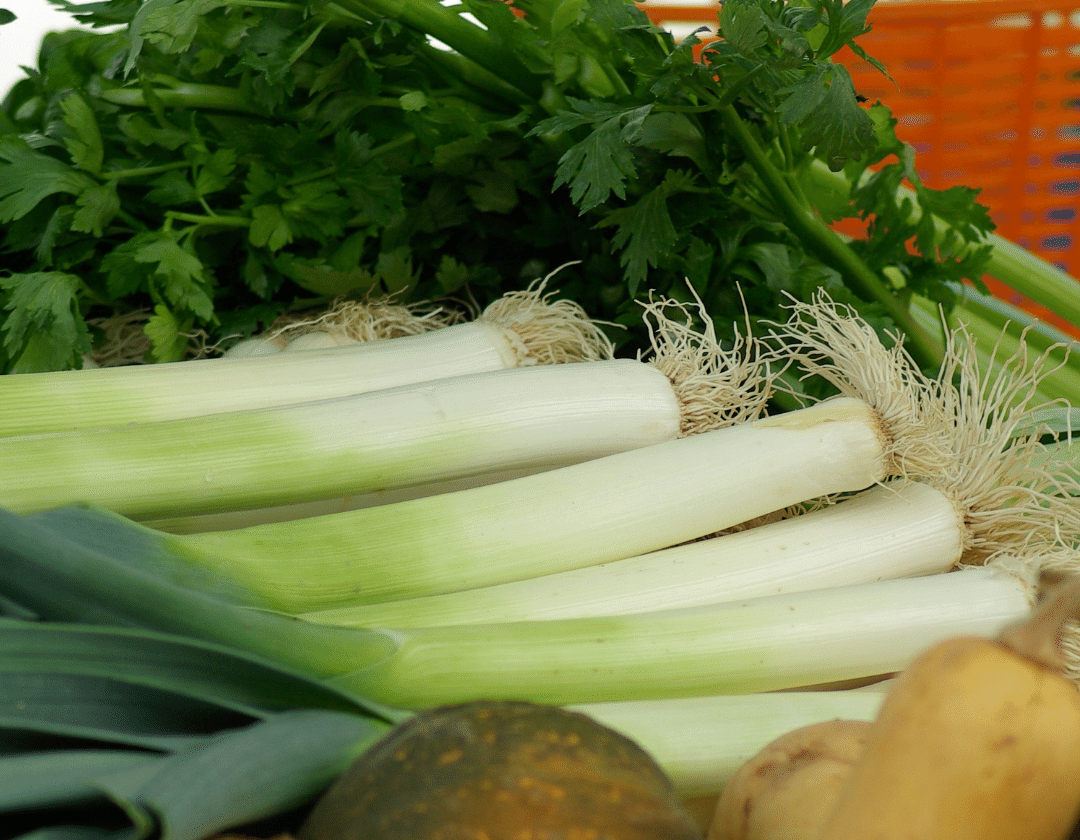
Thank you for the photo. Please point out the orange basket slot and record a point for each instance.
(988, 93)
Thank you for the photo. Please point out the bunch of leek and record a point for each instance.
(971, 440)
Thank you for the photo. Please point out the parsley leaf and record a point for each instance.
(44, 329)
(27, 177)
(645, 233)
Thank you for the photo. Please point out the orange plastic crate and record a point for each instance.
(988, 93)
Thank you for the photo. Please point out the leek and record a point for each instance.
(522, 418)
(587, 513)
(522, 328)
(903, 529)
(76, 565)
(892, 421)
(233, 519)
(737, 647)
(997, 491)
(528, 418)
(701, 741)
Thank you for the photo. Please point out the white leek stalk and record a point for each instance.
(593, 512)
(528, 419)
(1015, 494)
(701, 741)
(252, 347)
(709, 385)
(989, 487)
(523, 418)
(232, 519)
(318, 340)
(902, 529)
(522, 328)
(740, 647)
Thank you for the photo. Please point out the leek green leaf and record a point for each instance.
(238, 777)
(79, 832)
(61, 777)
(200, 671)
(109, 711)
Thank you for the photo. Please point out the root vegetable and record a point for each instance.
(977, 740)
(788, 790)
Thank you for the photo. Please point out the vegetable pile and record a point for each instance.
(737, 473)
(655, 588)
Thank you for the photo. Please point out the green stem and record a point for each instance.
(446, 25)
(824, 242)
(473, 75)
(219, 221)
(142, 172)
(261, 4)
(186, 95)
(390, 145)
(1016, 267)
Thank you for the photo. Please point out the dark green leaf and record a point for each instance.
(44, 326)
(167, 334)
(211, 674)
(269, 229)
(172, 189)
(89, 565)
(178, 273)
(215, 174)
(83, 140)
(27, 177)
(242, 776)
(63, 777)
(80, 832)
(675, 134)
(742, 25)
(839, 130)
(645, 234)
(109, 711)
(599, 165)
(98, 206)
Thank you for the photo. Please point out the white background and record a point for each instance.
(21, 39)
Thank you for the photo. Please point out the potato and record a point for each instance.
(787, 790)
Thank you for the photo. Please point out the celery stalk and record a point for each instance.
(1016, 267)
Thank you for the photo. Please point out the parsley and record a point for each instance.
(219, 163)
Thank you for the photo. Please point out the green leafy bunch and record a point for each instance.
(217, 162)
(701, 172)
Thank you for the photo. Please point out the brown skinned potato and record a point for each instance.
(787, 790)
